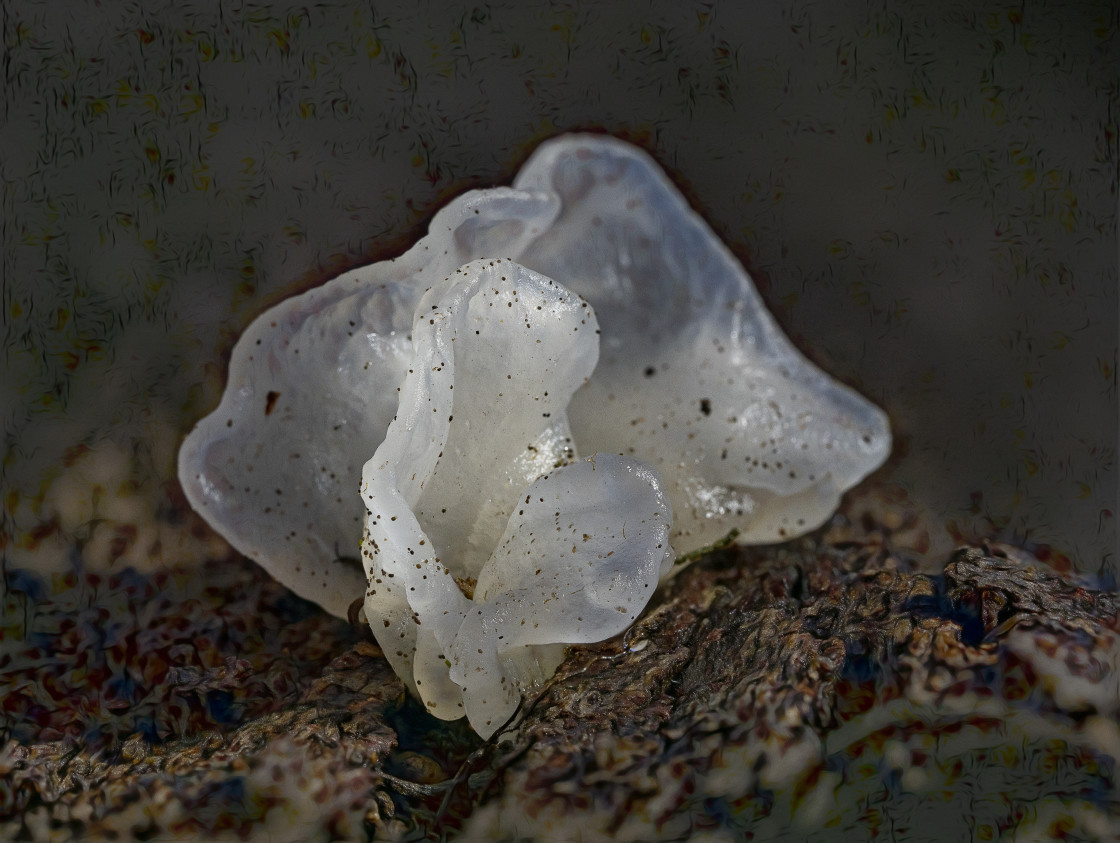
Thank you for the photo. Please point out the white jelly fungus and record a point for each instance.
(695, 387)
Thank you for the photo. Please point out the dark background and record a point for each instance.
(925, 194)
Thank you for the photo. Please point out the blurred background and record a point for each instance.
(924, 192)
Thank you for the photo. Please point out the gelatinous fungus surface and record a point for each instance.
(694, 376)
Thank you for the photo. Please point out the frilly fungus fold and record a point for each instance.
(474, 490)
(694, 375)
(312, 388)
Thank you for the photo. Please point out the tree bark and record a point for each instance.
(825, 688)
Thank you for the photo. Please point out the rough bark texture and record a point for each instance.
(824, 687)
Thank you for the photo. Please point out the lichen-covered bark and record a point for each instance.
(824, 687)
